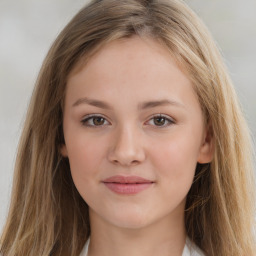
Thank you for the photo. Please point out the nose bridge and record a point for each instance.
(127, 147)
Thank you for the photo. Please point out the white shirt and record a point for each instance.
(190, 249)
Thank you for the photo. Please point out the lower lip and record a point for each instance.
(127, 189)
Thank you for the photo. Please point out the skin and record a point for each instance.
(129, 139)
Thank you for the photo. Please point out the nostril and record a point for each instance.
(125, 155)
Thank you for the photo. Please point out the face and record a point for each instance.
(134, 133)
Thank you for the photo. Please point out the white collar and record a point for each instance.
(190, 249)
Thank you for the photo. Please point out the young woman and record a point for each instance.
(134, 142)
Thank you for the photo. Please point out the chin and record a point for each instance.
(130, 221)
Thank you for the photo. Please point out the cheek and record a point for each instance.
(175, 159)
(174, 164)
(85, 158)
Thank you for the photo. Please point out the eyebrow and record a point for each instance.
(141, 106)
(92, 102)
(157, 103)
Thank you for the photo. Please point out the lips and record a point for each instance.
(127, 184)
(127, 179)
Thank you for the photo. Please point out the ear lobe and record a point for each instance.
(63, 150)
(207, 148)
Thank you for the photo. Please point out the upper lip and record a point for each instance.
(126, 179)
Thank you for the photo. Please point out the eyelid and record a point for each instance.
(91, 116)
(170, 120)
(86, 118)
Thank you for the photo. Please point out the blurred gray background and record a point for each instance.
(27, 29)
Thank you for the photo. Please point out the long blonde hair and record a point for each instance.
(47, 215)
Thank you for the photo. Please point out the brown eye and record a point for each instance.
(94, 121)
(98, 120)
(159, 121)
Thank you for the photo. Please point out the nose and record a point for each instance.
(127, 147)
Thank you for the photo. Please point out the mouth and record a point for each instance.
(127, 185)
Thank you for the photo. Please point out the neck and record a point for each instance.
(166, 237)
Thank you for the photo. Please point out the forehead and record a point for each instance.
(127, 52)
(130, 66)
(124, 47)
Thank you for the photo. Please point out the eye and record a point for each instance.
(160, 121)
(94, 120)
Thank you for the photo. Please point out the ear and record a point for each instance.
(63, 150)
(207, 147)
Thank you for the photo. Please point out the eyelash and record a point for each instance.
(88, 118)
(167, 120)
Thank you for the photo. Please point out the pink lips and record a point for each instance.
(127, 185)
